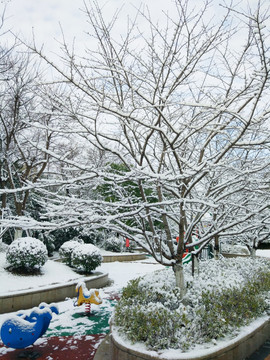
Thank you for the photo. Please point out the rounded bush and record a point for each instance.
(113, 244)
(86, 258)
(27, 254)
(66, 250)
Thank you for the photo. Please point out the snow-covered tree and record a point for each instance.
(184, 109)
(25, 114)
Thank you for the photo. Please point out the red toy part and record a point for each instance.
(185, 253)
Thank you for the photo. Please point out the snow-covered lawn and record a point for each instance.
(52, 272)
(55, 272)
(263, 253)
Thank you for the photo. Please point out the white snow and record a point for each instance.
(263, 253)
(200, 350)
(119, 272)
(51, 273)
(54, 272)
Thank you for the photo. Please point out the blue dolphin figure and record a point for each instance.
(22, 330)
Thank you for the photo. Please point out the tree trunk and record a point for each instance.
(18, 233)
(253, 252)
(216, 248)
(195, 265)
(179, 278)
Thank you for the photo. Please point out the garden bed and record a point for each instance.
(226, 297)
(246, 343)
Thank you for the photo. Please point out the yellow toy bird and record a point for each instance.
(87, 297)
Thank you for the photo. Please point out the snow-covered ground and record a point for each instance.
(54, 272)
(264, 253)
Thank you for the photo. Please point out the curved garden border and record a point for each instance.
(238, 348)
(58, 292)
(52, 293)
(123, 257)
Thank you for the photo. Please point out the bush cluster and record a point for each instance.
(223, 310)
(150, 310)
(56, 238)
(149, 315)
(86, 258)
(26, 254)
(114, 244)
(83, 257)
(66, 250)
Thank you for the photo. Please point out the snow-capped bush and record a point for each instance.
(26, 253)
(86, 258)
(226, 295)
(234, 249)
(114, 244)
(66, 250)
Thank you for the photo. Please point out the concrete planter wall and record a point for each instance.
(54, 293)
(123, 257)
(236, 349)
(119, 257)
(58, 292)
(231, 255)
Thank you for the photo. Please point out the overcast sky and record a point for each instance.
(43, 17)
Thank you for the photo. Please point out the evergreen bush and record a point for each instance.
(114, 244)
(26, 254)
(66, 250)
(85, 235)
(86, 258)
(226, 308)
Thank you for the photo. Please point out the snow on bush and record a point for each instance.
(226, 295)
(234, 249)
(66, 249)
(86, 258)
(26, 253)
(114, 244)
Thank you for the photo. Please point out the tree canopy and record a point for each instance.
(183, 111)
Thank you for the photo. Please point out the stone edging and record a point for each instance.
(236, 349)
(123, 257)
(48, 294)
(118, 257)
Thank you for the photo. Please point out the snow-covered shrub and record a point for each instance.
(66, 250)
(86, 258)
(27, 254)
(84, 234)
(153, 324)
(149, 313)
(221, 310)
(114, 244)
(234, 249)
(226, 295)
